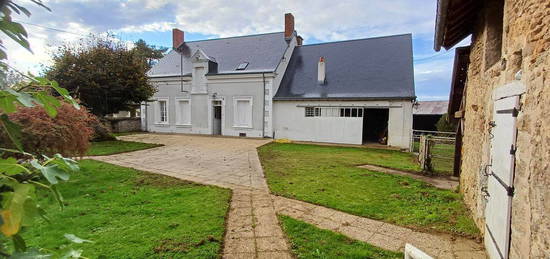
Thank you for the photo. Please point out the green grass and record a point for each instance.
(443, 160)
(133, 214)
(118, 134)
(310, 242)
(328, 176)
(103, 148)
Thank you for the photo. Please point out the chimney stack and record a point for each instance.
(299, 40)
(321, 75)
(289, 26)
(177, 38)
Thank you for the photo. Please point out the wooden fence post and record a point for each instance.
(424, 153)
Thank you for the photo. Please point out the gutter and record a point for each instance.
(240, 73)
(344, 98)
(440, 20)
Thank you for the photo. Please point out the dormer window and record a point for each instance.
(242, 66)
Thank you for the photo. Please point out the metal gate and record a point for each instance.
(501, 177)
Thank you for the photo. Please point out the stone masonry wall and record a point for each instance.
(124, 124)
(526, 47)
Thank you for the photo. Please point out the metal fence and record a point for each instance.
(435, 150)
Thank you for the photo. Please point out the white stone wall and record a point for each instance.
(290, 122)
(222, 88)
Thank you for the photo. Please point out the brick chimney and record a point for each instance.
(177, 38)
(289, 26)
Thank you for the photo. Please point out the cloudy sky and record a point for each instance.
(316, 21)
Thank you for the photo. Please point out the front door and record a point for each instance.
(217, 118)
(501, 178)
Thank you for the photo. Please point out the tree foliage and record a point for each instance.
(19, 177)
(103, 73)
(68, 133)
(148, 54)
(445, 124)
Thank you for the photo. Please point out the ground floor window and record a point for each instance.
(162, 110)
(333, 112)
(183, 112)
(242, 112)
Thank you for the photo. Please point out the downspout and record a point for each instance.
(146, 117)
(263, 106)
(181, 71)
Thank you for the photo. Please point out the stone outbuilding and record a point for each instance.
(501, 97)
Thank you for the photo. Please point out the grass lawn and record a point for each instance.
(443, 160)
(328, 176)
(118, 134)
(102, 148)
(133, 214)
(309, 241)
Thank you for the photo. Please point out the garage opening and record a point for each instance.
(375, 126)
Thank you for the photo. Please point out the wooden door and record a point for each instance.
(501, 178)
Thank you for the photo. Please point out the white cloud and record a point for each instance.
(324, 20)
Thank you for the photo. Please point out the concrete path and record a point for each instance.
(378, 233)
(253, 230)
(449, 182)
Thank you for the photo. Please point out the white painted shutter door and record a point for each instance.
(244, 113)
(184, 112)
(500, 181)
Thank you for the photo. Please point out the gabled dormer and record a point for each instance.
(202, 65)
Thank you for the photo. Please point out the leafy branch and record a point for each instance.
(22, 172)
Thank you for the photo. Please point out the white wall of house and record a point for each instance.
(290, 122)
(200, 90)
(273, 86)
(230, 90)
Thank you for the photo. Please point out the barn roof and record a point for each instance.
(263, 52)
(373, 68)
(430, 108)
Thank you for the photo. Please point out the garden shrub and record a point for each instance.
(68, 133)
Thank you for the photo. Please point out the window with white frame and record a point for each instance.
(242, 112)
(183, 112)
(162, 111)
(310, 111)
(333, 112)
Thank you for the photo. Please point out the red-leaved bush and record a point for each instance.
(68, 133)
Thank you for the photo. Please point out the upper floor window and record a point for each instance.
(333, 112)
(494, 20)
(242, 66)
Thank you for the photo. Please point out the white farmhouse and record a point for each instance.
(272, 86)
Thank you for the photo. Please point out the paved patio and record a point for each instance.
(253, 230)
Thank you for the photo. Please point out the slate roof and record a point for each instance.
(373, 68)
(430, 108)
(263, 52)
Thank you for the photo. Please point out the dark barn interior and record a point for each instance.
(375, 126)
(425, 122)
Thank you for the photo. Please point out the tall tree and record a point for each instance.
(149, 54)
(103, 73)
